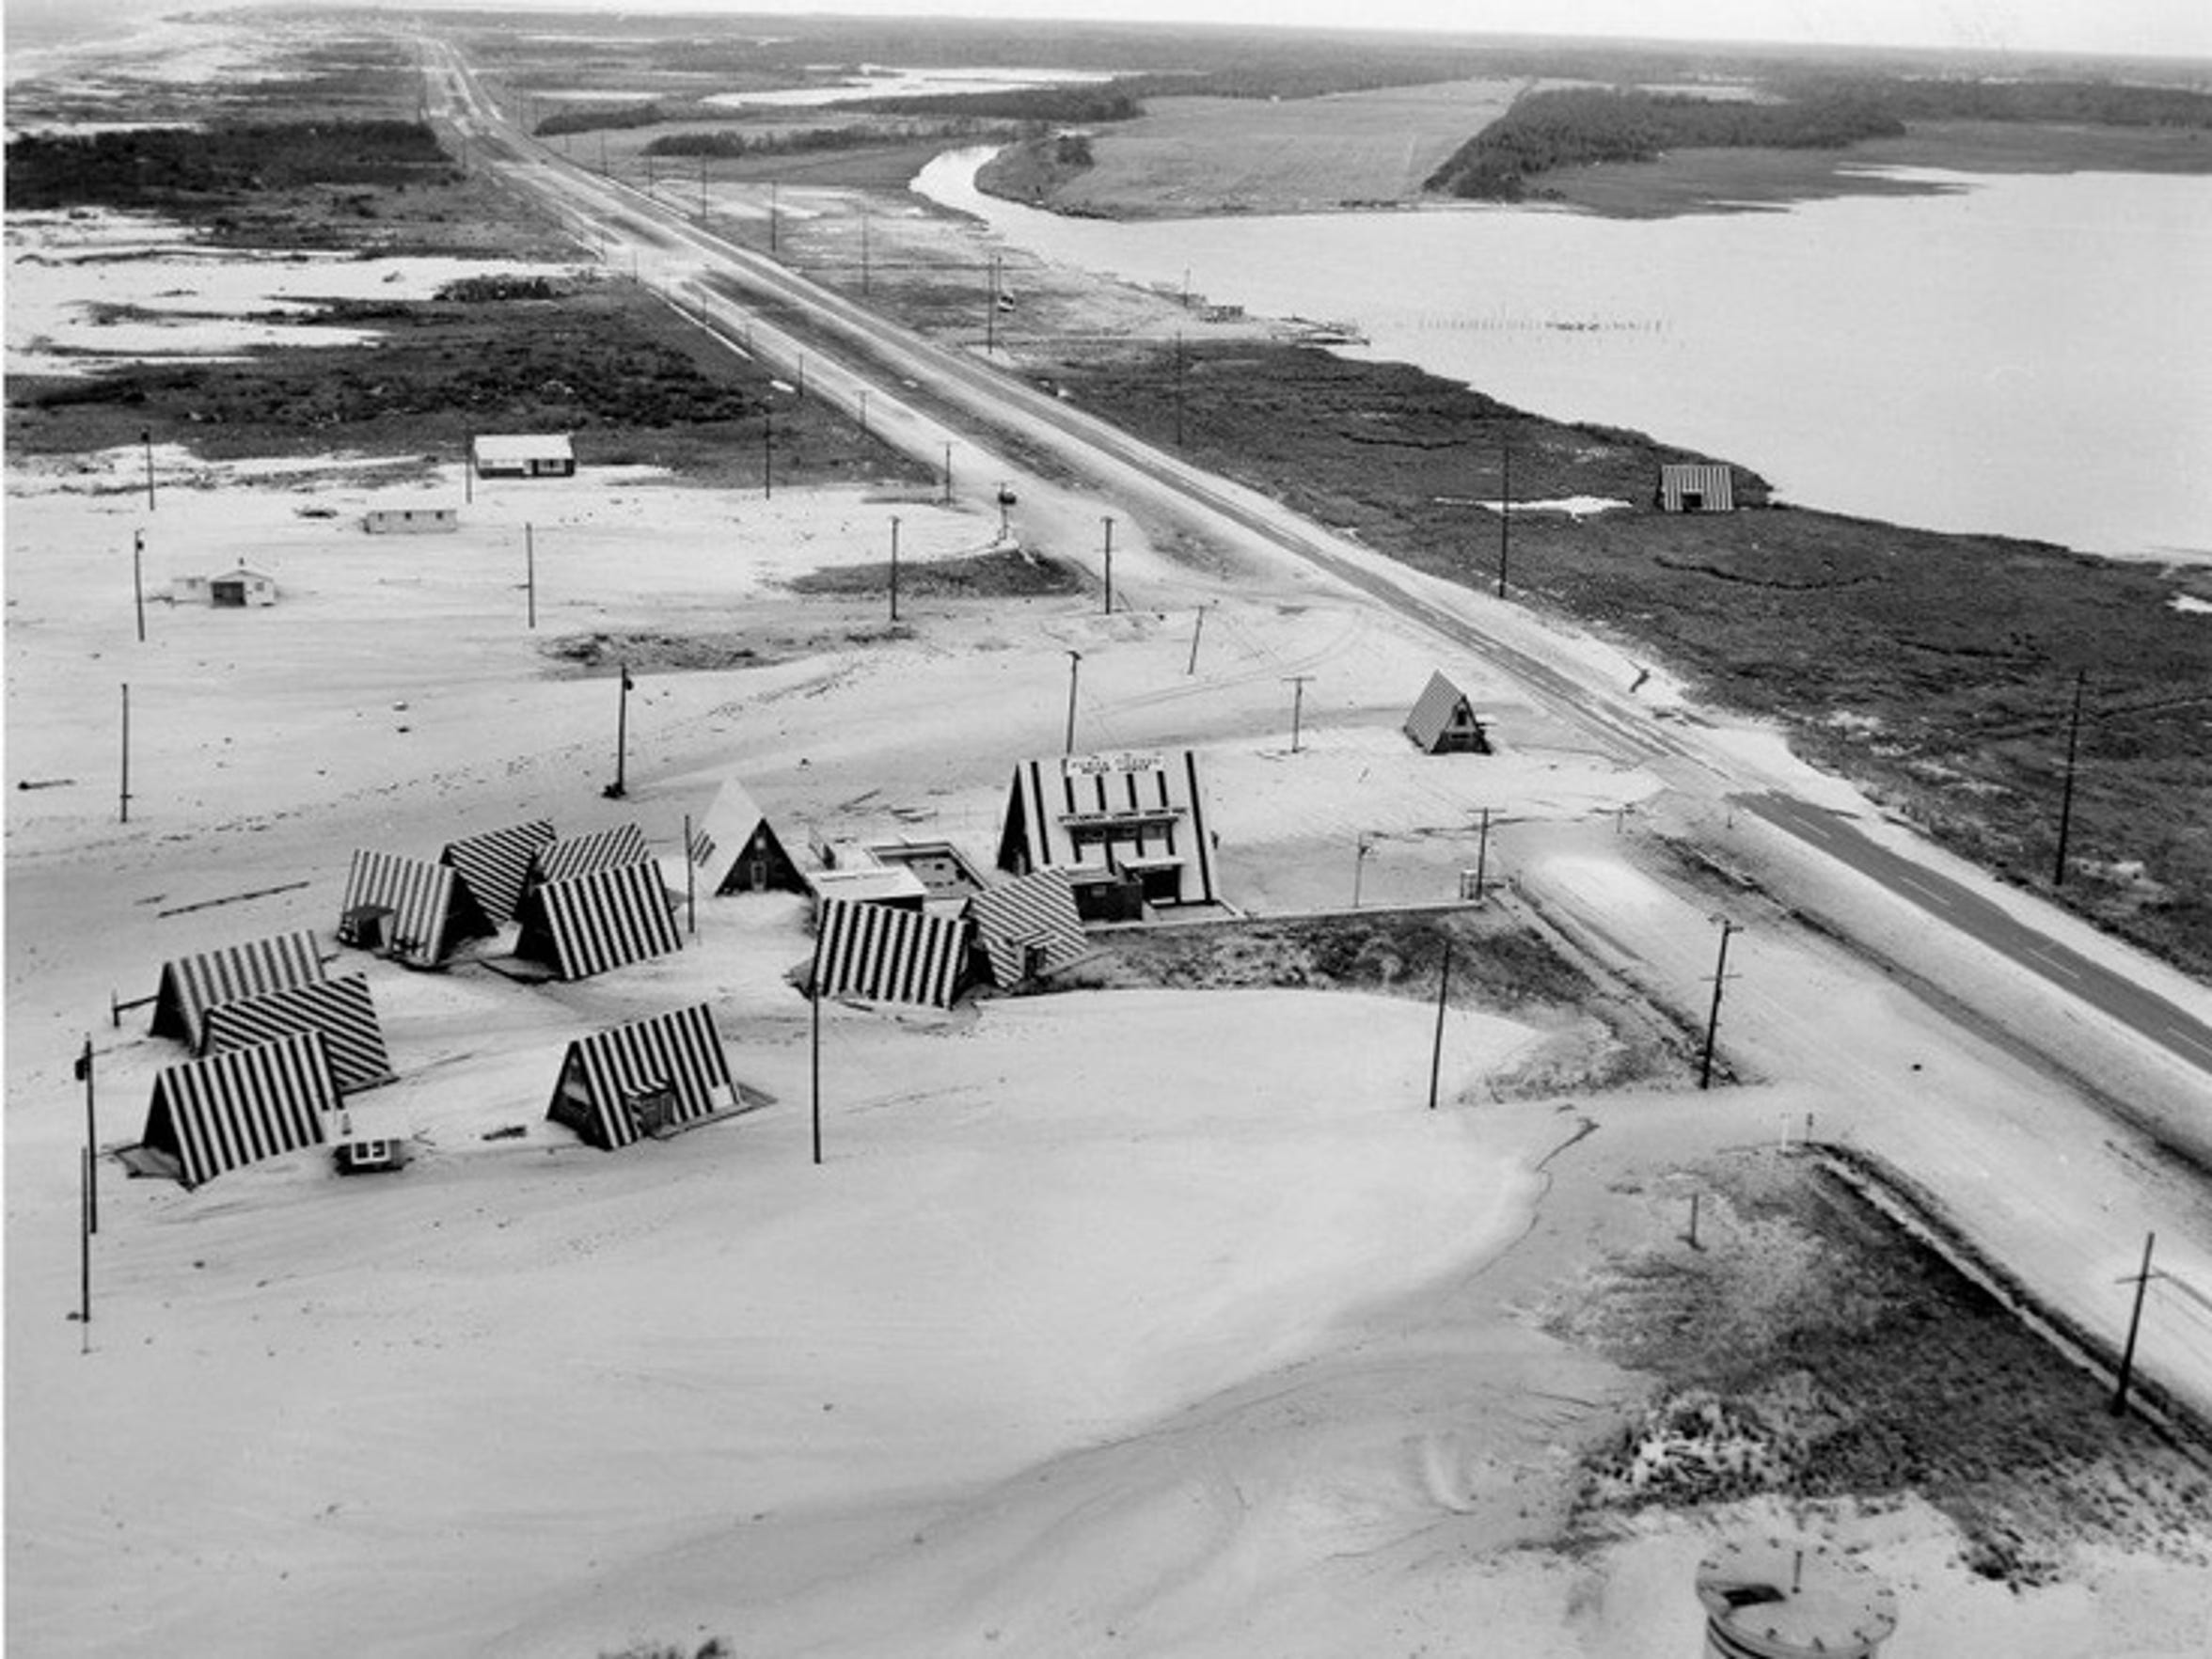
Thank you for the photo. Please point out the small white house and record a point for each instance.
(411, 521)
(524, 455)
(241, 587)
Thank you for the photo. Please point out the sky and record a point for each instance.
(2160, 27)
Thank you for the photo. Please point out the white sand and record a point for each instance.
(1115, 1322)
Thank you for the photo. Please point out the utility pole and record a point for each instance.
(1179, 389)
(138, 580)
(1713, 1018)
(1505, 511)
(768, 452)
(1197, 628)
(1074, 665)
(815, 996)
(690, 882)
(895, 530)
(1481, 854)
(1297, 705)
(948, 495)
(84, 1070)
(2142, 1282)
(615, 790)
(2067, 793)
(126, 801)
(1436, 1044)
(1109, 522)
(146, 437)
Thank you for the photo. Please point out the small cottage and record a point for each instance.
(411, 521)
(241, 587)
(525, 455)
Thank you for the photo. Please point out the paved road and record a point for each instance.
(1958, 906)
(846, 345)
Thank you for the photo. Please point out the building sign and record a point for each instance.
(1098, 766)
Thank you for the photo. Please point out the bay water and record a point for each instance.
(2027, 355)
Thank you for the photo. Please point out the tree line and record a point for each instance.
(1571, 126)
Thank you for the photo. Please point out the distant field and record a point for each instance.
(1697, 180)
(1202, 155)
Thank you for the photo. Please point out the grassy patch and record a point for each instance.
(605, 361)
(1001, 573)
(1808, 1348)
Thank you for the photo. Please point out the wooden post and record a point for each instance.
(1297, 705)
(1713, 1018)
(1436, 1046)
(147, 438)
(1694, 1197)
(2067, 793)
(2142, 1282)
(1109, 521)
(85, 1251)
(126, 783)
(1505, 511)
(530, 570)
(767, 452)
(690, 882)
(84, 1070)
(617, 789)
(138, 580)
(1198, 626)
(948, 476)
(895, 530)
(1074, 667)
(1481, 854)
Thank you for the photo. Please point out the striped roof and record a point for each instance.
(738, 850)
(680, 1051)
(341, 1009)
(1034, 912)
(190, 985)
(1713, 484)
(237, 1108)
(431, 910)
(1104, 811)
(495, 866)
(579, 855)
(1444, 719)
(601, 920)
(887, 955)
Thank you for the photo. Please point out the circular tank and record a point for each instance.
(1787, 1599)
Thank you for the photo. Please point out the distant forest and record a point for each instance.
(728, 143)
(166, 167)
(1572, 126)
